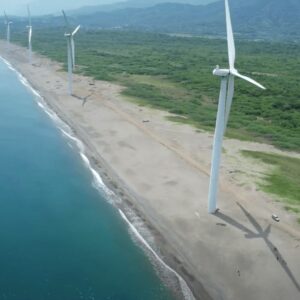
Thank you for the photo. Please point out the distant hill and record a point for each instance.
(132, 4)
(266, 19)
(252, 19)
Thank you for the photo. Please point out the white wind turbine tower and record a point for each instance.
(225, 100)
(7, 22)
(71, 50)
(29, 26)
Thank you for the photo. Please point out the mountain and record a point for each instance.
(132, 4)
(42, 7)
(266, 19)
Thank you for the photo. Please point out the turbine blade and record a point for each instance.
(29, 15)
(69, 65)
(229, 97)
(30, 34)
(71, 45)
(230, 38)
(66, 21)
(237, 74)
(69, 54)
(73, 52)
(76, 30)
(5, 17)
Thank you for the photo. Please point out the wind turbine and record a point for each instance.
(71, 50)
(29, 26)
(225, 100)
(7, 22)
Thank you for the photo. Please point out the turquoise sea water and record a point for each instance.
(59, 238)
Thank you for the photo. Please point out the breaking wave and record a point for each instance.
(136, 225)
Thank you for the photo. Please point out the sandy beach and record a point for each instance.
(161, 169)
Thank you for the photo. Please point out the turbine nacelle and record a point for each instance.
(221, 72)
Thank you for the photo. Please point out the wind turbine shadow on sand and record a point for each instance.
(225, 100)
(259, 232)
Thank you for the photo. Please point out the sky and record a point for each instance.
(18, 7)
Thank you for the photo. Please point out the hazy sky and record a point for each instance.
(46, 6)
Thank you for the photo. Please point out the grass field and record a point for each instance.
(284, 180)
(175, 74)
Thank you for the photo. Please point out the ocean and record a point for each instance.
(60, 236)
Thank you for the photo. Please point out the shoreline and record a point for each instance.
(110, 188)
(172, 246)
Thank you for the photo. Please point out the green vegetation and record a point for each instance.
(284, 180)
(175, 74)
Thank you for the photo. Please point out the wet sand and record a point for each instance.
(161, 169)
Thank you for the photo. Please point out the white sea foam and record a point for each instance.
(65, 129)
(97, 180)
(185, 289)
